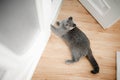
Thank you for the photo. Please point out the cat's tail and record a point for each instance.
(93, 62)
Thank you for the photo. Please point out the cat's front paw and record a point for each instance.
(52, 27)
(69, 61)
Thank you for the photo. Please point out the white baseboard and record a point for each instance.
(118, 65)
(43, 39)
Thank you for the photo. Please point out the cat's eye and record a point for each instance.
(74, 25)
(58, 23)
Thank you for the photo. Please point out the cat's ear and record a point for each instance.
(58, 23)
(70, 18)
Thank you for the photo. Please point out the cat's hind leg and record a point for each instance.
(75, 57)
(72, 60)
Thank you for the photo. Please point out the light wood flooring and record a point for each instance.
(104, 44)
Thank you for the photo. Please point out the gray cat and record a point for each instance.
(77, 42)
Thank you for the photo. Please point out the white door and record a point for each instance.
(24, 32)
(106, 12)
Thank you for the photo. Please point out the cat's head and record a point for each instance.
(66, 24)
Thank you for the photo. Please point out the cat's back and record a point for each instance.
(76, 37)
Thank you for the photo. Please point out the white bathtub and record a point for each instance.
(24, 32)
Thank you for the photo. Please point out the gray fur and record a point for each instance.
(77, 42)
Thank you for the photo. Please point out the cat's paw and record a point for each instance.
(69, 61)
(51, 26)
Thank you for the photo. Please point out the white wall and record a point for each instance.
(118, 2)
(18, 24)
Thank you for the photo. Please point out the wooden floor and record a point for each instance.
(104, 44)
